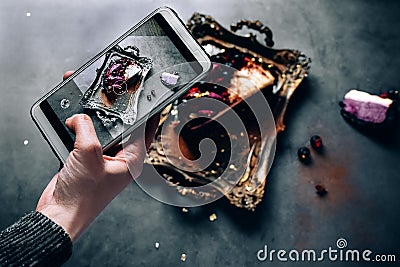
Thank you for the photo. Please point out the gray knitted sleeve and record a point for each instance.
(34, 240)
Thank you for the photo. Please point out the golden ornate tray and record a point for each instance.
(276, 73)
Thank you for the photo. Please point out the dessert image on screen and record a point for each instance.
(125, 83)
(118, 84)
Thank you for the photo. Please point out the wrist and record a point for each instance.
(68, 218)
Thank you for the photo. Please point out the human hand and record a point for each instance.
(89, 180)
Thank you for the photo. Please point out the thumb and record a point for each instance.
(86, 138)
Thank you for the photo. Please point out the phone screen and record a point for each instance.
(125, 83)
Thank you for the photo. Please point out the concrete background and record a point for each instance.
(352, 44)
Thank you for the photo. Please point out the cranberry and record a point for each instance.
(316, 142)
(304, 154)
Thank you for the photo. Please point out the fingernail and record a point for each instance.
(70, 118)
(86, 117)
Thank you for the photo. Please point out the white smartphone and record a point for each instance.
(135, 77)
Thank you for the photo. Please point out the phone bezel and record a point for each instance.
(198, 53)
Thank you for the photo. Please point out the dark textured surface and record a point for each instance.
(352, 44)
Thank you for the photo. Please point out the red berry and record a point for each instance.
(316, 142)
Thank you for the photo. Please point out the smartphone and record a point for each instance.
(135, 77)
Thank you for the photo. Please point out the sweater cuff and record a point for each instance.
(34, 240)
